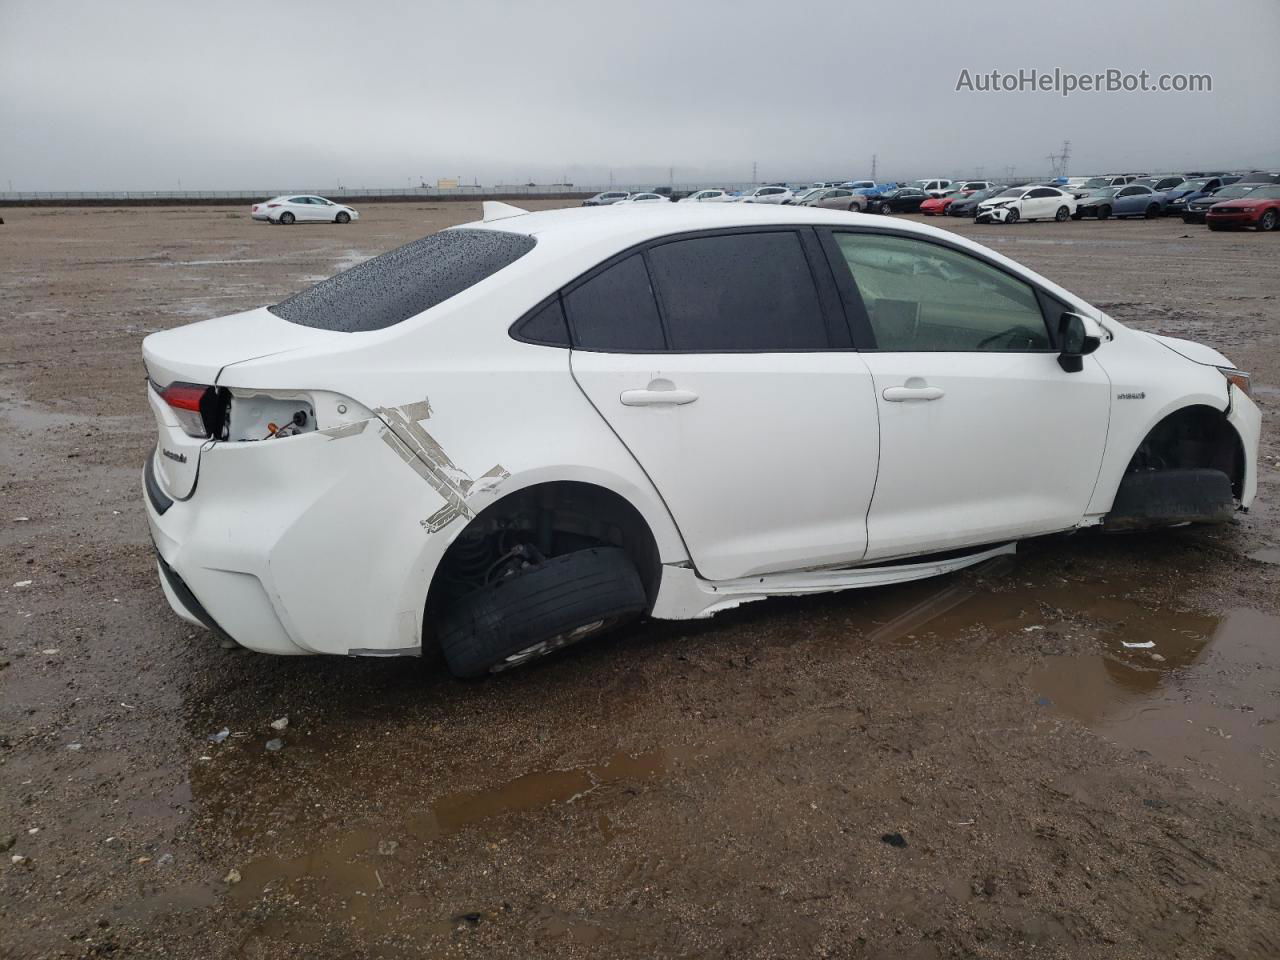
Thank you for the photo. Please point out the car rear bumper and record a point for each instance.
(309, 544)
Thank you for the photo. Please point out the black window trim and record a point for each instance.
(834, 319)
(856, 311)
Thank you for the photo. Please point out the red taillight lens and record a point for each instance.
(185, 400)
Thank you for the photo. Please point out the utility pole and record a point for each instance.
(753, 172)
(671, 176)
(873, 166)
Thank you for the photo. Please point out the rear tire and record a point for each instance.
(541, 609)
(342, 217)
(287, 218)
(1267, 222)
(1062, 214)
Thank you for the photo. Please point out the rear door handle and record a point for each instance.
(653, 398)
(900, 394)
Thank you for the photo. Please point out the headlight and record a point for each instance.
(1239, 378)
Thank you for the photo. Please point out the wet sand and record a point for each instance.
(725, 788)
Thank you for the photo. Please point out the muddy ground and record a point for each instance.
(969, 767)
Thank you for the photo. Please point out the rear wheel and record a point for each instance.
(343, 217)
(287, 218)
(544, 607)
(1062, 214)
(1268, 220)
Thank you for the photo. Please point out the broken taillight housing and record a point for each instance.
(195, 405)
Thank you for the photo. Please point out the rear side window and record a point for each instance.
(615, 310)
(402, 283)
(751, 291)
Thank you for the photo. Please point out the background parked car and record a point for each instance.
(902, 200)
(645, 198)
(1161, 184)
(604, 199)
(870, 188)
(968, 206)
(1260, 209)
(1190, 190)
(707, 196)
(1031, 202)
(1132, 200)
(302, 207)
(1101, 183)
(934, 188)
(772, 194)
(840, 198)
(1194, 211)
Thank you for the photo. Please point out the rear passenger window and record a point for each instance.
(922, 296)
(545, 325)
(615, 310)
(751, 291)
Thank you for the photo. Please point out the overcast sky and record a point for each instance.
(140, 95)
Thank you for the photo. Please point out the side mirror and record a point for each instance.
(1074, 342)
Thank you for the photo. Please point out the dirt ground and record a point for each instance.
(968, 767)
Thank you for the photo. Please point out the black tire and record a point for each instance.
(342, 217)
(1104, 213)
(1062, 214)
(1077, 215)
(885, 208)
(1153, 211)
(287, 218)
(540, 610)
(1267, 222)
(1012, 215)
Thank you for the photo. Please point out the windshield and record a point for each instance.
(1095, 182)
(1227, 193)
(1012, 192)
(1104, 192)
(1192, 185)
(404, 282)
(1270, 191)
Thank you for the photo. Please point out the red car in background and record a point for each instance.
(937, 206)
(1260, 209)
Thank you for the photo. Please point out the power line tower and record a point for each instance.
(873, 166)
(1058, 161)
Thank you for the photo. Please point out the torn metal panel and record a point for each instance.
(346, 430)
(405, 435)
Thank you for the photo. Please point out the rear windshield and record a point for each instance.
(404, 282)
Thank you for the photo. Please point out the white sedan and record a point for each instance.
(644, 198)
(514, 434)
(767, 195)
(1032, 202)
(297, 208)
(708, 196)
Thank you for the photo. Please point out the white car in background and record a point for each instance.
(767, 195)
(934, 188)
(1031, 202)
(643, 198)
(707, 196)
(514, 434)
(300, 207)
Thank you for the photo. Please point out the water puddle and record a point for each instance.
(1200, 697)
(360, 863)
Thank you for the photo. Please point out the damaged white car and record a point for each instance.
(514, 434)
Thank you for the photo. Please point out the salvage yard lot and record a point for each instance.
(732, 788)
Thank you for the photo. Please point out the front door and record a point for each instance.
(727, 372)
(983, 436)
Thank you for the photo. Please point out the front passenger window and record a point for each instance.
(922, 296)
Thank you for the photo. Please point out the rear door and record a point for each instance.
(984, 437)
(723, 361)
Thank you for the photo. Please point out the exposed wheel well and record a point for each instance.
(553, 518)
(1195, 436)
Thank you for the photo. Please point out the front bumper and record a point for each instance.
(1233, 219)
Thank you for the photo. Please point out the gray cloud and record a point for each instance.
(143, 95)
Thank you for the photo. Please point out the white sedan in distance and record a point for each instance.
(767, 195)
(515, 434)
(643, 198)
(1032, 202)
(707, 196)
(297, 208)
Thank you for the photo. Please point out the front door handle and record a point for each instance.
(900, 394)
(652, 398)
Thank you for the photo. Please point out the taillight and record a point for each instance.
(270, 205)
(189, 402)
